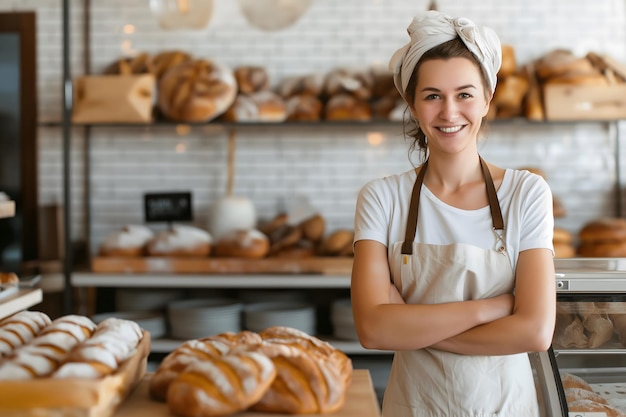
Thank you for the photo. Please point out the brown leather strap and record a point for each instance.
(492, 195)
(411, 223)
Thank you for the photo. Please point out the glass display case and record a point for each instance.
(590, 336)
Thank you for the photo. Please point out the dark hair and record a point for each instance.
(454, 48)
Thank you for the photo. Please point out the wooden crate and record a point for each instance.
(47, 397)
(589, 102)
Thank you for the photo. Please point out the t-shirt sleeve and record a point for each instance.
(537, 226)
(371, 220)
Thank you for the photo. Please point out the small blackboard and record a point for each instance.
(168, 207)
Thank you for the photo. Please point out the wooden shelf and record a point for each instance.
(7, 209)
(235, 281)
(21, 300)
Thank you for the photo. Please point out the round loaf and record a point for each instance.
(250, 243)
(164, 61)
(251, 79)
(608, 229)
(336, 242)
(344, 107)
(262, 106)
(564, 250)
(589, 406)
(181, 241)
(576, 394)
(313, 228)
(196, 91)
(600, 249)
(562, 236)
(574, 381)
(304, 108)
(130, 241)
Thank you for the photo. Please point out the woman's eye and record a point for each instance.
(465, 95)
(432, 96)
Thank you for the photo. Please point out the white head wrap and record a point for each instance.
(432, 28)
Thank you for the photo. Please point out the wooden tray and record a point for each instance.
(361, 401)
(49, 397)
(313, 265)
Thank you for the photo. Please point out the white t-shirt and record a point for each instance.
(525, 200)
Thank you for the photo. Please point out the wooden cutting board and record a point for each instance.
(361, 401)
(313, 265)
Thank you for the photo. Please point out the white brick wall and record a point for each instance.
(325, 164)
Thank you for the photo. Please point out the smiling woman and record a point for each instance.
(463, 291)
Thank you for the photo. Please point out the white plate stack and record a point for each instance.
(298, 315)
(342, 319)
(198, 318)
(146, 299)
(151, 321)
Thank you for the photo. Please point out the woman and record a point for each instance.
(466, 288)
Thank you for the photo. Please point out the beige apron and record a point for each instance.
(430, 382)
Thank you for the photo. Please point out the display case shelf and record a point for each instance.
(21, 300)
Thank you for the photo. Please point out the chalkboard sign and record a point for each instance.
(168, 207)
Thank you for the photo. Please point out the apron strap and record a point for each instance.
(492, 196)
(411, 223)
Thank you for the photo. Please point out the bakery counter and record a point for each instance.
(360, 401)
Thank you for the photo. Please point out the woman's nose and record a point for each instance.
(449, 110)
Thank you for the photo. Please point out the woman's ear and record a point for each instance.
(487, 105)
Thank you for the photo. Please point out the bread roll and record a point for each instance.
(250, 243)
(604, 229)
(19, 329)
(130, 241)
(602, 249)
(197, 91)
(9, 278)
(344, 107)
(261, 106)
(310, 84)
(313, 228)
(304, 107)
(336, 242)
(354, 82)
(181, 241)
(251, 79)
(221, 385)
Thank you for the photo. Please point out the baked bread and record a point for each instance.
(313, 228)
(574, 381)
(43, 354)
(304, 108)
(576, 394)
(196, 91)
(345, 107)
(509, 62)
(250, 243)
(604, 237)
(113, 341)
(312, 376)
(336, 242)
(354, 82)
(301, 249)
(9, 278)
(130, 241)
(261, 106)
(20, 329)
(310, 84)
(509, 96)
(221, 385)
(251, 79)
(589, 406)
(563, 63)
(164, 61)
(181, 241)
(140, 64)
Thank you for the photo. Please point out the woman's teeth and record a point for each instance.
(450, 129)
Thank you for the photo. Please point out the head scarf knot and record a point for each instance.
(431, 29)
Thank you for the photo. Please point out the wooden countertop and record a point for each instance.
(361, 401)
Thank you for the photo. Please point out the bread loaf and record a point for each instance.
(304, 108)
(166, 60)
(250, 244)
(113, 342)
(181, 241)
(20, 329)
(44, 353)
(589, 406)
(575, 394)
(221, 385)
(130, 241)
(574, 381)
(262, 106)
(196, 91)
(251, 79)
(9, 278)
(345, 107)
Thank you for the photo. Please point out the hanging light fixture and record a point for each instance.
(272, 15)
(182, 14)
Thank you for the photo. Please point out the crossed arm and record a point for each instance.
(501, 325)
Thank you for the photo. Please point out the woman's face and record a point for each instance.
(450, 103)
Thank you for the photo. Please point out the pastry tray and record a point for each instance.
(47, 397)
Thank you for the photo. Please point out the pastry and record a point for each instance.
(130, 241)
(196, 91)
(9, 278)
(250, 243)
(180, 240)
